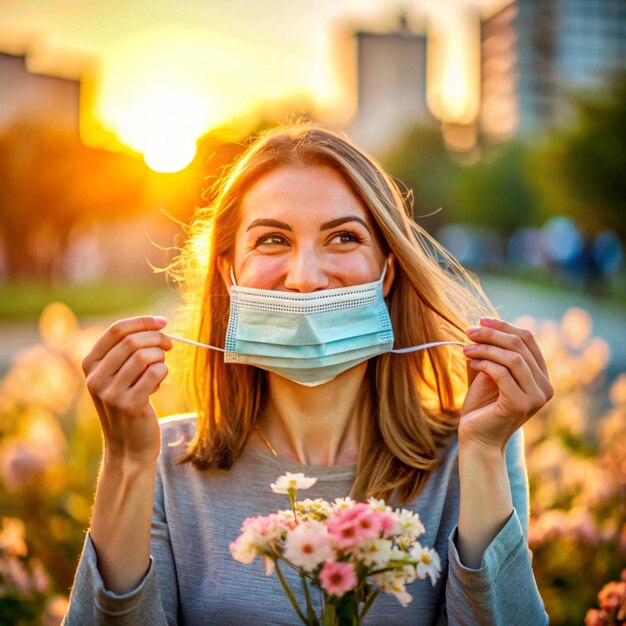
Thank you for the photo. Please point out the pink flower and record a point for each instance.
(357, 523)
(595, 618)
(338, 578)
(308, 545)
(612, 595)
(260, 525)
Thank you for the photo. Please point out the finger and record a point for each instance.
(122, 351)
(116, 332)
(133, 401)
(514, 343)
(515, 398)
(527, 337)
(512, 361)
(507, 385)
(471, 375)
(150, 380)
(132, 370)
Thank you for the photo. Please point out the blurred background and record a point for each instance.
(507, 120)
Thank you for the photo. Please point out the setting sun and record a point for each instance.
(157, 100)
(163, 126)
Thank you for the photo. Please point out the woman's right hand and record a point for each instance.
(122, 370)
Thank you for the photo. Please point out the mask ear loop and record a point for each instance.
(191, 342)
(424, 346)
(232, 276)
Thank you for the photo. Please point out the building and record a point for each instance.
(537, 54)
(391, 78)
(38, 98)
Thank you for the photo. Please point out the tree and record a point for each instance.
(50, 183)
(580, 171)
(421, 162)
(497, 191)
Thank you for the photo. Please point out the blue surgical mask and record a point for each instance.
(309, 338)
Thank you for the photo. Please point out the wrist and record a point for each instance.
(478, 457)
(128, 465)
(479, 449)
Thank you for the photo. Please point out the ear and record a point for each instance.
(390, 274)
(223, 267)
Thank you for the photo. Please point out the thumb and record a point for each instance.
(471, 374)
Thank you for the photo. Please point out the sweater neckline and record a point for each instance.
(324, 473)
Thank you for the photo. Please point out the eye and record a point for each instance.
(270, 240)
(345, 237)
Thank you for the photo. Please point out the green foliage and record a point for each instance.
(576, 171)
(496, 191)
(580, 171)
(25, 300)
(421, 161)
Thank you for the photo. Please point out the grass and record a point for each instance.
(24, 301)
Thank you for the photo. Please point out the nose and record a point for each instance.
(305, 273)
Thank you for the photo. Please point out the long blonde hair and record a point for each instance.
(409, 403)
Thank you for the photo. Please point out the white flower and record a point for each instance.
(409, 524)
(379, 504)
(428, 564)
(292, 481)
(403, 597)
(341, 503)
(375, 552)
(410, 573)
(317, 509)
(393, 583)
(308, 545)
(244, 548)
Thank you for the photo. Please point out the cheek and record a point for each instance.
(259, 271)
(356, 269)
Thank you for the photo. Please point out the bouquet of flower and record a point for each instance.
(612, 601)
(349, 550)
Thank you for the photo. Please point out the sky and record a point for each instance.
(212, 60)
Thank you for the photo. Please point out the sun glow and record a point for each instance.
(163, 125)
(157, 98)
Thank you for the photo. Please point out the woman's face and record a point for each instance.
(303, 229)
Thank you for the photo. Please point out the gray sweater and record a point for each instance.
(193, 579)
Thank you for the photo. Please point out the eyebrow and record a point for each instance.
(343, 220)
(269, 222)
(325, 226)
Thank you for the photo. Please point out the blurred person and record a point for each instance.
(306, 270)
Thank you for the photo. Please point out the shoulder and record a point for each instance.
(177, 430)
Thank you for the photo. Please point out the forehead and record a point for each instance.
(298, 192)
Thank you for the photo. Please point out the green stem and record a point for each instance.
(368, 605)
(293, 494)
(292, 598)
(309, 607)
(393, 565)
(329, 615)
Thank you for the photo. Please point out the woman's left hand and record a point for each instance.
(511, 383)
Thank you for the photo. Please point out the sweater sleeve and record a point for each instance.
(503, 589)
(153, 602)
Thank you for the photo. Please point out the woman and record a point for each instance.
(303, 219)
